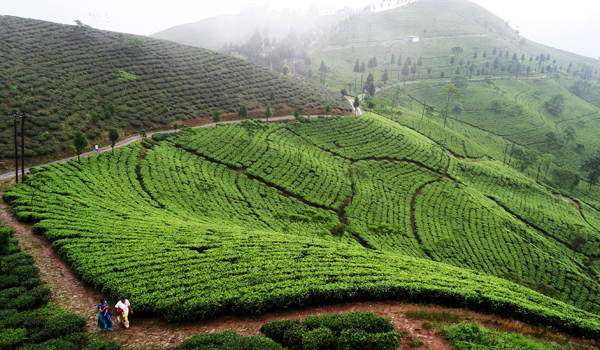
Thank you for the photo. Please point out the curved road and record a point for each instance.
(132, 139)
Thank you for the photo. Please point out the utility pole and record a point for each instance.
(511, 152)
(16, 115)
(23, 147)
(16, 149)
(505, 149)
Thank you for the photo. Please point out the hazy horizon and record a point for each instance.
(569, 28)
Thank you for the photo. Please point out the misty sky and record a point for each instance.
(571, 25)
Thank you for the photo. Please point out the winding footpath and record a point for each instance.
(136, 138)
(73, 295)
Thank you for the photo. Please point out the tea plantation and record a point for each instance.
(77, 78)
(221, 220)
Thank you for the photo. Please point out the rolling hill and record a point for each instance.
(222, 220)
(77, 78)
(402, 203)
(212, 33)
(458, 37)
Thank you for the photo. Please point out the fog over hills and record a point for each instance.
(547, 23)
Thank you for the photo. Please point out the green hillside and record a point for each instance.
(219, 219)
(70, 78)
(212, 33)
(440, 26)
(460, 38)
(512, 81)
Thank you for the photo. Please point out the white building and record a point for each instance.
(411, 39)
(327, 12)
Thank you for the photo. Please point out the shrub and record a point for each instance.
(41, 294)
(332, 322)
(11, 293)
(367, 321)
(22, 302)
(227, 340)
(158, 136)
(61, 325)
(12, 261)
(30, 283)
(292, 337)
(15, 319)
(4, 240)
(353, 339)
(386, 341)
(204, 340)
(8, 281)
(253, 343)
(318, 339)
(103, 345)
(25, 272)
(11, 338)
(53, 344)
(6, 313)
(276, 329)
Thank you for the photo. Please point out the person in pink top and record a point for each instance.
(123, 310)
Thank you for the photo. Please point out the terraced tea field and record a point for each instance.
(220, 220)
(71, 78)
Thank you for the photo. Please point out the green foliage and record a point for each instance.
(126, 77)
(565, 179)
(592, 167)
(157, 136)
(318, 339)
(21, 326)
(292, 337)
(216, 116)
(103, 345)
(276, 329)
(268, 113)
(227, 340)
(113, 135)
(61, 325)
(68, 82)
(354, 330)
(466, 336)
(352, 338)
(243, 112)
(137, 41)
(12, 338)
(225, 249)
(5, 233)
(80, 142)
(555, 105)
(460, 81)
(578, 241)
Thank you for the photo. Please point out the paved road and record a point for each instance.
(132, 139)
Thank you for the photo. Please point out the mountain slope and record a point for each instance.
(70, 78)
(212, 33)
(213, 221)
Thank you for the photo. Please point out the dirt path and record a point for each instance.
(151, 332)
(568, 200)
(67, 291)
(136, 138)
(72, 295)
